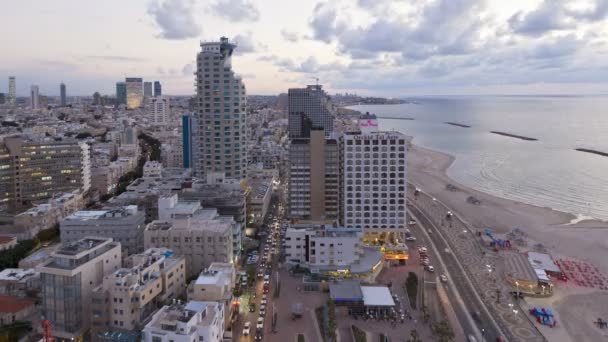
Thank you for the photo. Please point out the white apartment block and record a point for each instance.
(125, 225)
(191, 322)
(323, 246)
(215, 284)
(160, 112)
(374, 180)
(67, 281)
(129, 296)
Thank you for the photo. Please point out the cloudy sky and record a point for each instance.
(372, 47)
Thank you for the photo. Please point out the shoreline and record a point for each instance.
(561, 233)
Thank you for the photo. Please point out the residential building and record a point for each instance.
(19, 281)
(63, 95)
(12, 91)
(124, 225)
(332, 251)
(216, 284)
(201, 235)
(171, 155)
(2, 98)
(180, 322)
(309, 108)
(34, 97)
(47, 215)
(121, 93)
(135, 95)
(221, 113)
(128, 297)
(157, 89)
(374, 184)
(314, 178)
(159, 111)
(228, 197)
(68, 279)
(7, 242)
(258, 197)
(34, 170)
(148, 89)
(13, 309)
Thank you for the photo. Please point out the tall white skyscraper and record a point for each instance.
(159, 113)
(135, 92)
(12, 91)
(221, 113)
(34, 97)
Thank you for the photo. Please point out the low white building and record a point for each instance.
(191, 322)
(332, 250)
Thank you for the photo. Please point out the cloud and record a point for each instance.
(188, 69)
(324, 22)
(246, 44)
(236, 10)
(442, 27)
(176, 19)
(559, 47)
(290, 36)
(556, 15)
(117, 58)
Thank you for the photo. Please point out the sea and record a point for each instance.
(548, 172)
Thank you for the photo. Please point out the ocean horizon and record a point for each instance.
(547, 172)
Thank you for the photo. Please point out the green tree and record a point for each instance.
(331, 320)
(444, 331)
(414, 337)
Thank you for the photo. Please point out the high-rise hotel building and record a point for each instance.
(308, 108)
(221, 104)
(374, 181)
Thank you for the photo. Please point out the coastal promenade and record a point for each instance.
(475, 271)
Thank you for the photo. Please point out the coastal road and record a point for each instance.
(458, 278)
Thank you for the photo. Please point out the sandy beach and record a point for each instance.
(585, 240)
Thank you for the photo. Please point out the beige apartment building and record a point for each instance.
(215, 284)
(314, 178)
(130, 296)
(67, 281)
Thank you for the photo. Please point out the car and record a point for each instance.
(264, 297)
(260, 323)
(264, 301)
(246, 328)
(443, 278)
(262, 311)
(425, 263)
(410, 238)
(412, 222)
(252, 307)
(430, 268)
(260, 274)
(267, 276)
(259, 334)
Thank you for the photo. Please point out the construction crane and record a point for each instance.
(47, 335)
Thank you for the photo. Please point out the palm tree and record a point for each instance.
(444, 331)
(414, 337)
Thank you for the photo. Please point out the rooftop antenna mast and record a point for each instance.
(316, 80)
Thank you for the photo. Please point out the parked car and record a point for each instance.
(443, 278)
(430, 268)
(410, 238)
(260, 323)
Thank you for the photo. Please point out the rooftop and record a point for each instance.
(348, 289)
(377, 296)
(17, 274)
(11, 304)
(543, 261)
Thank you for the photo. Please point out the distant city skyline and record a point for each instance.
(383, 47)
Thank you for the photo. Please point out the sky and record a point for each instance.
(393, 48)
